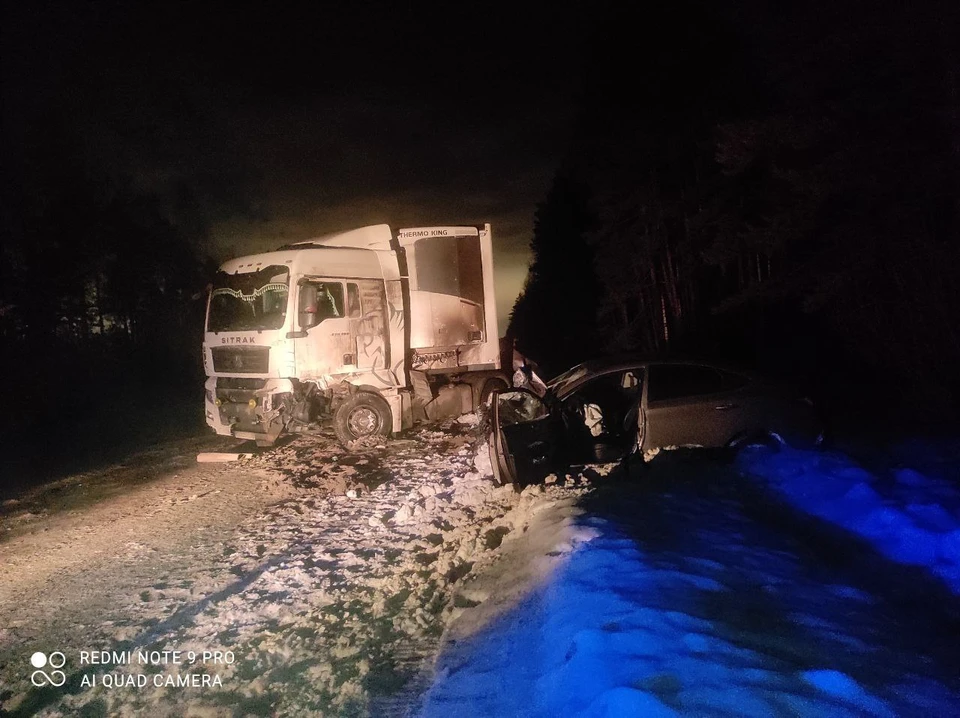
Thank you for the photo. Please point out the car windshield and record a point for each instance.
(249, 301)
(559, 383)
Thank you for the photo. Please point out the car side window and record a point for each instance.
(631, 383)
(676, 381)
(600, 388)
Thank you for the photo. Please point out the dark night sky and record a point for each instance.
(286, 124)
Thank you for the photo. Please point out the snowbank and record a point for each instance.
(613, 635)
(681, 601)
(909, 517)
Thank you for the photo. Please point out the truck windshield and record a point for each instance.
(249, 301)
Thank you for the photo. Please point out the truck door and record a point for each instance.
(324, 342)
(367, 311)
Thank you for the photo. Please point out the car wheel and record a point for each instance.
(363, 415)
(765, 439)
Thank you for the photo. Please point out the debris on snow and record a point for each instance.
(481, 460)
(349, 576)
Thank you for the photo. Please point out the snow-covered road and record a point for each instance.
(304, 581)
(697, 592)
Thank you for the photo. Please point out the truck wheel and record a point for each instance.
(360, 416)
(490, 386)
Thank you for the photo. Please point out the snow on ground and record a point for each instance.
(690, 593)
(908, 515)
(330, 595)
(333, 578)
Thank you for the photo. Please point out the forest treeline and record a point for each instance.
(772, 185)
(116, 161)
(101, 298)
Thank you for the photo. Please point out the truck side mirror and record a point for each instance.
(307, 315)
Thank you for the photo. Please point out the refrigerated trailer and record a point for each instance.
(370, 329)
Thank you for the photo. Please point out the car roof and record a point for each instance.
(625, 361)
(607, 365)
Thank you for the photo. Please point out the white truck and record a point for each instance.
(370, 328)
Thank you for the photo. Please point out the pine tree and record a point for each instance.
(554, 319)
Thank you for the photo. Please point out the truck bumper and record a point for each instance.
(251, 409)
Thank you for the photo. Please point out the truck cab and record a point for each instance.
(371, 329)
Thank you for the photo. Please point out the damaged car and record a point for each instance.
(605, 411)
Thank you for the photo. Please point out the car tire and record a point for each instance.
(767, 439)
(363, 415)
(633, 465)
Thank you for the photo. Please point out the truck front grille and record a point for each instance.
(241, 360)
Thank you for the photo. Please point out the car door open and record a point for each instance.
(524, 437)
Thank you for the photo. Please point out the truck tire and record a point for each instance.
(363, 415)
(490, 386)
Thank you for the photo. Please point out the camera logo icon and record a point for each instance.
(55, 661)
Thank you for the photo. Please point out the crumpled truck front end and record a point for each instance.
(255, 409)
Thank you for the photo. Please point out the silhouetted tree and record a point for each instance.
(768, 181)
(554, 318)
